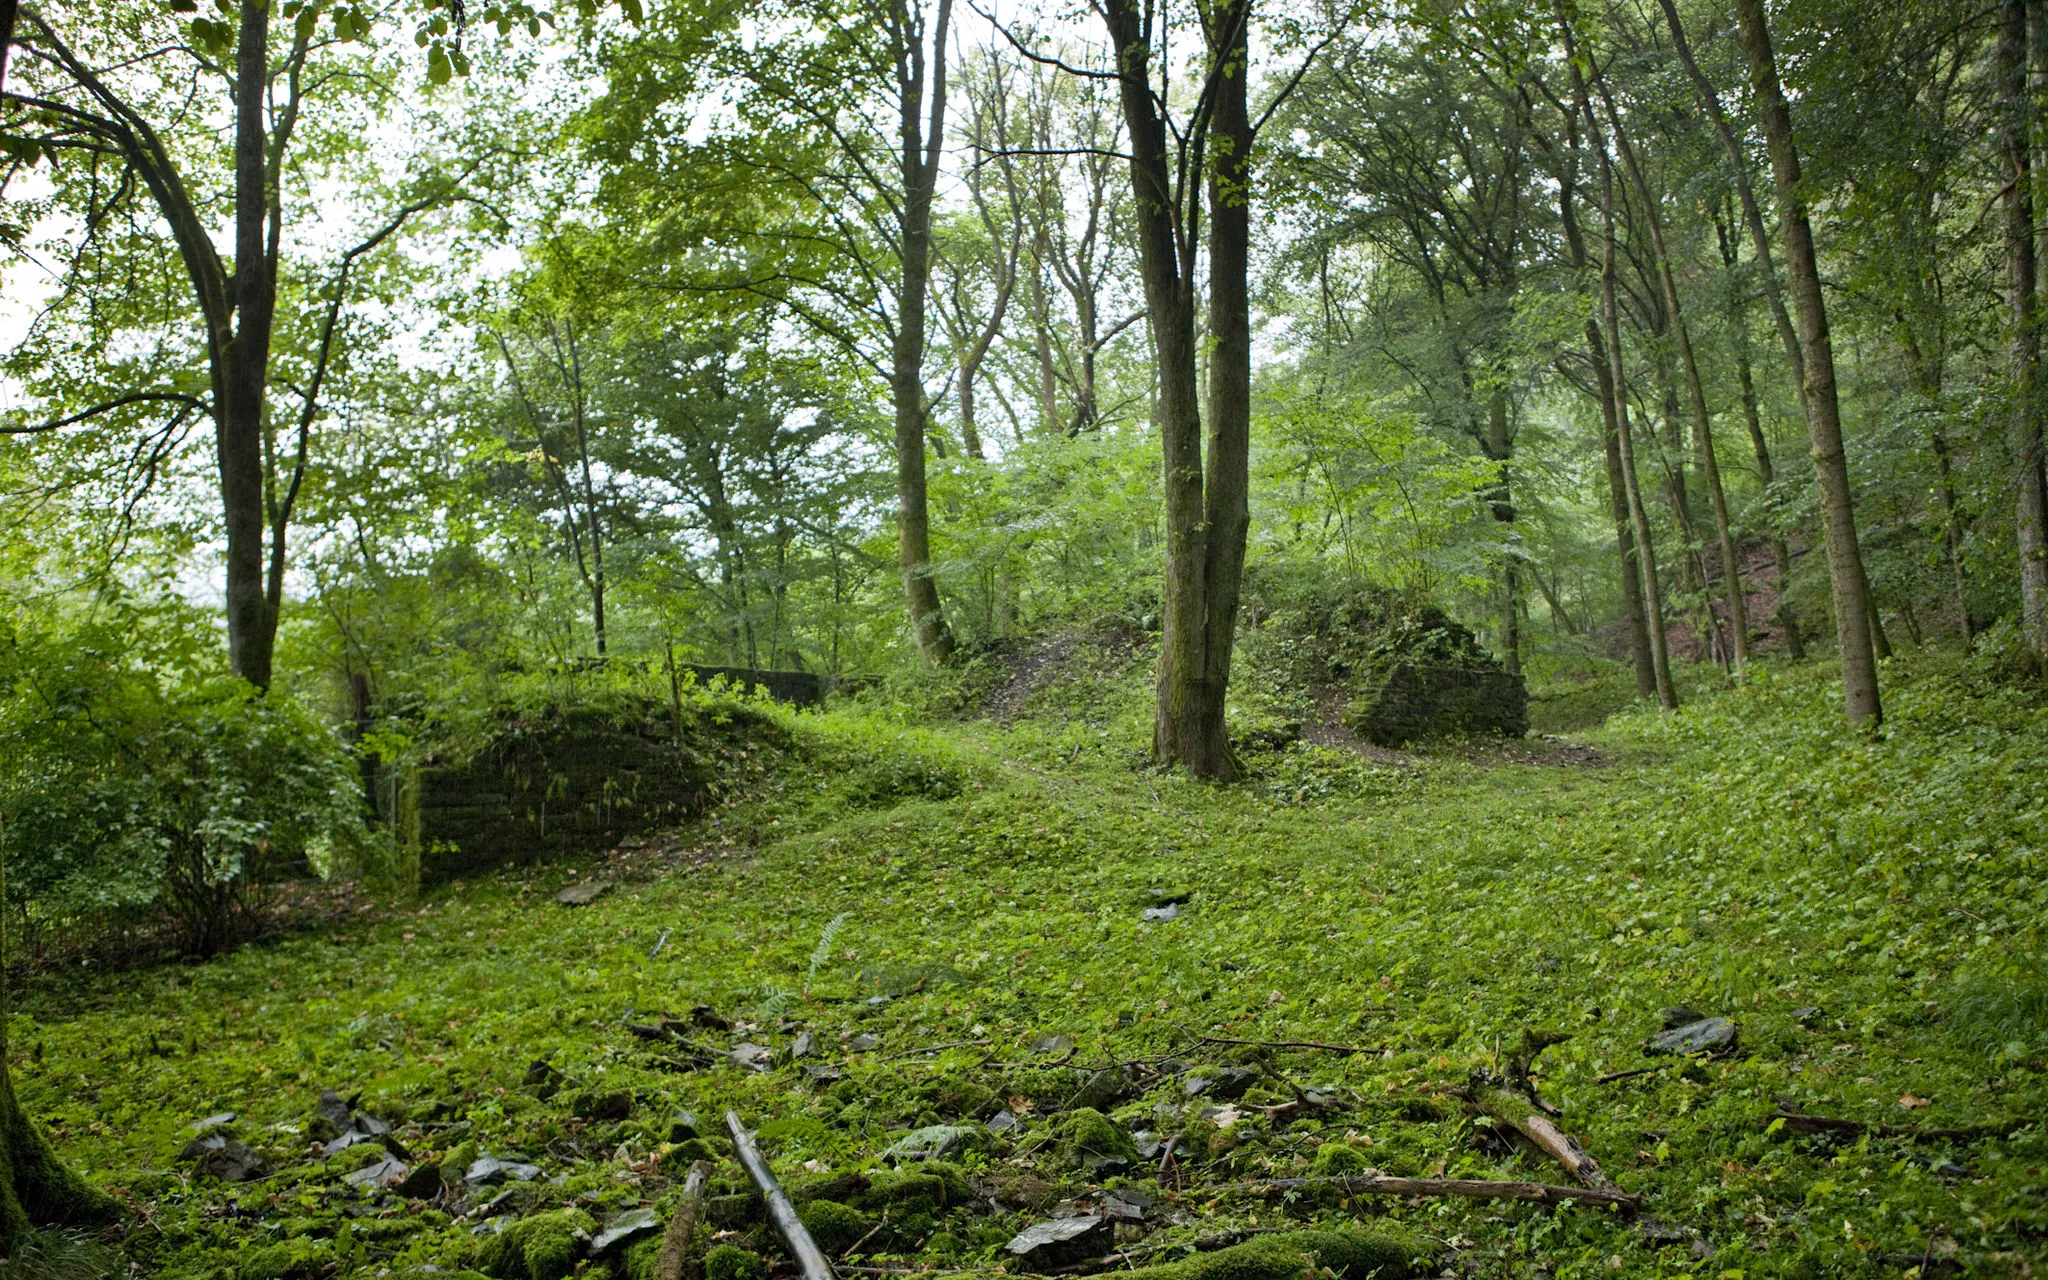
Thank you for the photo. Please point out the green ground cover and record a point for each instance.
(1866, 910)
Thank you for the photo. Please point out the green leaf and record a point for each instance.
(438, 69)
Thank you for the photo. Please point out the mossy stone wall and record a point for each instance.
(547, 786)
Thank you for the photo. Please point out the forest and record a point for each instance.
(1218, 639)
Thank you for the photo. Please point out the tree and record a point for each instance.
(235, 300)
(1853, 611)
(35, 1186)
(1207, 516)
(2016, 111)
(1703, 427)
(1610, 315)
(817, 199)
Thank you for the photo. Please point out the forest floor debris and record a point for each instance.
(1376, 943)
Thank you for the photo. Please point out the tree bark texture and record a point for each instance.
(1851, 588)
(1702, 421)
(1206, 514)
(920, 153)
(36, 1188)
(1610, 316)
(241, 363)
(1603, 385)
(2023, 339)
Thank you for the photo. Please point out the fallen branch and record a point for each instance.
(801, 1247)
(1514, 1103)
(1200, 1244)
(1293, 1044)
(1466, 1188)
(1612, 1076)
(933, 1048)
(1797, 1123)
(676, 1240)
(1516, 1110)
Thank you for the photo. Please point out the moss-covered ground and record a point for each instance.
(933, 905)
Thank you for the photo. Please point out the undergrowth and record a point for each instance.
(1863, 907)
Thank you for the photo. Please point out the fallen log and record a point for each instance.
(801, 1247)
(676, 1240)
(1465, 1188)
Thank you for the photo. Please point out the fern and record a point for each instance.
(821, 955)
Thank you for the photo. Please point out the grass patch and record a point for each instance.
(980, 889)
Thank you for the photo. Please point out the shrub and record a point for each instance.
(140, 783)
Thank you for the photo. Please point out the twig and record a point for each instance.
(801, 1247)
(932, 1048)
(1798, 1123)
(854, 1248)
(1291, 1044)
(1623, 1075)
(669, 1265)
(1467, 1188)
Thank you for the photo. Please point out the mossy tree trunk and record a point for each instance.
(36, 1189)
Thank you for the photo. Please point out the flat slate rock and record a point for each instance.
(388, 1172)
(1060, 1241)
(1171, 911)
(754, 1057)
(624, 1228)
(863, 1042)
(334, 1109)
(1708, 1035)
(582, 895)
(215, 1121)
(1224, 1085)
(933, 1142)
(423, 1183)
(232, 1162)
(1126, 1204)
(1100, 1090)
(485, 1171)
(1053, 1044)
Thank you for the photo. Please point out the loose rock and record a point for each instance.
(623, 1229)
(1043, 1246)
(582, 895)
(1707, 1035)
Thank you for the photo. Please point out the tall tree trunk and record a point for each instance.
(1633, 609)
(1927, 378)
(1206, 504)
(1860, 698)
(2024, 340)
(1766, 473)
(1603, 382)
(1500, 449)
(1610, 316)
(920, 173)
(1226, 485)
(241, 362)
(574, 368)
(1702, 421)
